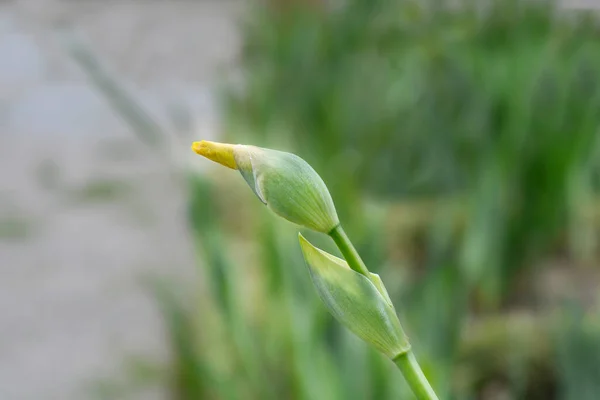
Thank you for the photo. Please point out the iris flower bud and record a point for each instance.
(283, 181)
(357, 302)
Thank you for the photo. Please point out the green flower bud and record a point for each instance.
(283, 181)
(355, 301)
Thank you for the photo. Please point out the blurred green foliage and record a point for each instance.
(459, 143)
(494, 103)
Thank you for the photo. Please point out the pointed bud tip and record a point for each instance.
(302, 239)
(221, 153)
(316, 257)
(306, 246)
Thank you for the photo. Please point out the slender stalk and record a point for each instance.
(348, 251)
(410, 368)
(406, 362)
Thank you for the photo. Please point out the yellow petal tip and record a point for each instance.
(221, 153)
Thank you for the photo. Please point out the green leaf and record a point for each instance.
(355, 301)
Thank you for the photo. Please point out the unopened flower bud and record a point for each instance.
(283, 181)
(359, 303)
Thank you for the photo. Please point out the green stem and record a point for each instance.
(410, 368)
(406, 362)
(348, 251)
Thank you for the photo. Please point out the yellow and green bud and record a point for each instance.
(283, 181)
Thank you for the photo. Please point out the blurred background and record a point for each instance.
(459, 140)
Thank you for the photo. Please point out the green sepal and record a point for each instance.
(355, 301)
(289, 186)
(376, 280)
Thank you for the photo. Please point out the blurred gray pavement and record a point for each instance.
(86, 212)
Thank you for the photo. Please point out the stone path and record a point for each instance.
(85, 212)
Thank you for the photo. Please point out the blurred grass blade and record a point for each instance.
(121, 101)
(224, 279)
(192, 379)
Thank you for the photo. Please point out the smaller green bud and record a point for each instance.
(283, 181)
(357, 302)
